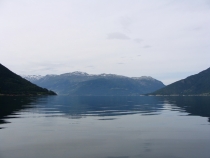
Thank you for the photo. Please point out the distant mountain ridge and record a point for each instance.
(13, 84)
(78, 73)
(198, 84)
(32, 77)
(81, 83)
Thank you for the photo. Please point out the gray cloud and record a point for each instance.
(117, 35)
(42, 68)
(197, 28)
(147, 46)
(138, 40)
(125, 22)
(90, 66)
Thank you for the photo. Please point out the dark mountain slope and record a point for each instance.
(10, 83)
(198, 84)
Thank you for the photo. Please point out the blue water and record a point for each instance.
(104, 127)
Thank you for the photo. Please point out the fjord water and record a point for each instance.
(105, 127)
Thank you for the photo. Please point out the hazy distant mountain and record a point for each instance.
(80, 83)
(10, 83)
(198, 84)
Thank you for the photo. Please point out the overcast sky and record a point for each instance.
(165, 39)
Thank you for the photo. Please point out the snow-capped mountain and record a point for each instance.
(76, 73)
(143, 78)
(81, 83)
(32, 77)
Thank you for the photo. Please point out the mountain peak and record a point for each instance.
(81, 83)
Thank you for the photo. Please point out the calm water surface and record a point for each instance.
(105, 127)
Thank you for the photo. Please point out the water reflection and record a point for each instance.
(10, 105)
(79, 107)
(193, 105)
(104, 127)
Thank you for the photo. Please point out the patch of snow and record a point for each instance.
(144, 78)
(78, 73)
(32, 77)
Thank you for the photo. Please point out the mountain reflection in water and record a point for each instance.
(78, 107)
(194, 105)
(10, 105)
(104, 127)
